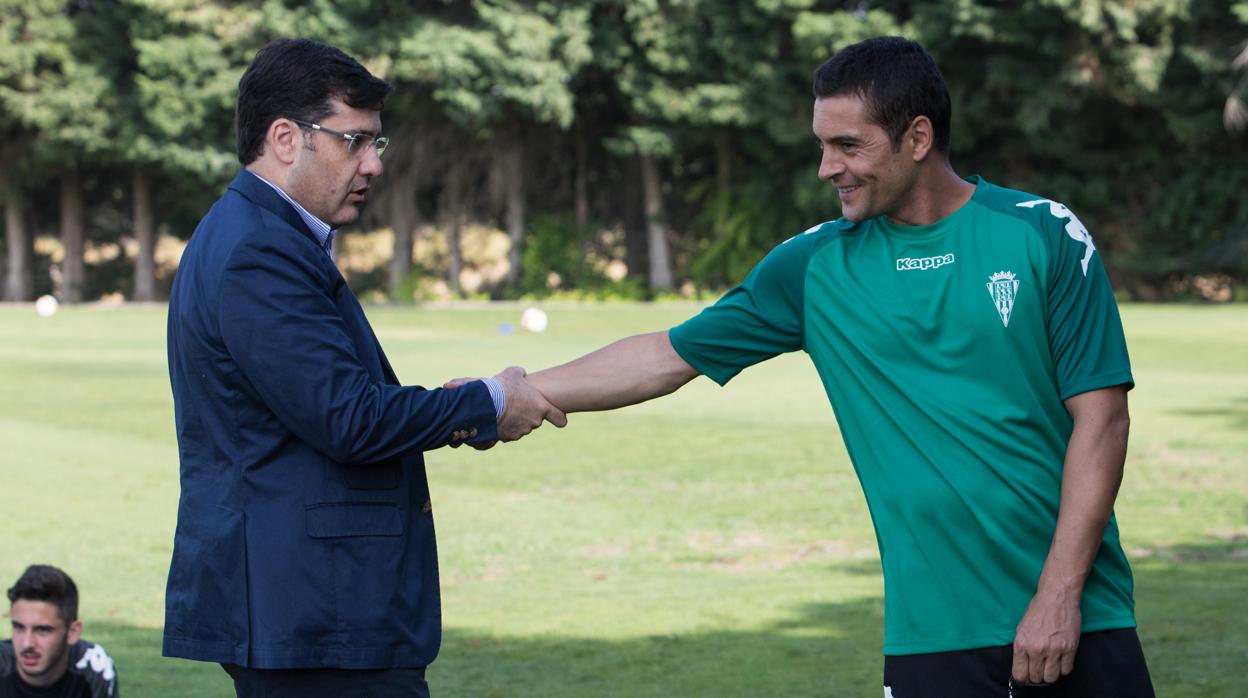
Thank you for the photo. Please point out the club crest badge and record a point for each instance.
(1003, 288)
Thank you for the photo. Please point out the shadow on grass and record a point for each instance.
(143, 673)
(1189, 605)
(859, 567)
(1188, 601)
(822, 650)
(1234, 411)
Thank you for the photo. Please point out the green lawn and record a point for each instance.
(712, 543)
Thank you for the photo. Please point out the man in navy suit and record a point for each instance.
(304, 558)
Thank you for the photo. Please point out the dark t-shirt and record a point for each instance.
(71, 685)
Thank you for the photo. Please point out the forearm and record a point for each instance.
(1091, 476)
(1048, 634)
(627, 372)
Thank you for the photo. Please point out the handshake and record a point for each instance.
(525, 408)
(632, 370)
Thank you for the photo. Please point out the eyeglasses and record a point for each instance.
(357, 143)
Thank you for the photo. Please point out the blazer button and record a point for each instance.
(472, 432)
(426, 507)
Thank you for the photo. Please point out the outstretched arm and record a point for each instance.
(630, 371)
(1048, 635)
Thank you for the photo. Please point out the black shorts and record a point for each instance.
(1108, 664)
(327, 683)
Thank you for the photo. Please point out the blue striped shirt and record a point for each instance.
(325, 236)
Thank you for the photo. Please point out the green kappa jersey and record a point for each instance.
(946, 351)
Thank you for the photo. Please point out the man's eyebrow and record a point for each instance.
(839, 140)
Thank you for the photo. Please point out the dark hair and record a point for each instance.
(296, 79)
(47, 583)
(897, 80)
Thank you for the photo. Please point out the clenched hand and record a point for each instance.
(525, 410)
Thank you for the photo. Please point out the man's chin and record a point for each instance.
(33, 673)
(853, 215)
(346, 215)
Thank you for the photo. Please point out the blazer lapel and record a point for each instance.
(262, 195)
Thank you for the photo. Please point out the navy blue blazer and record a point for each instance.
(305, 532)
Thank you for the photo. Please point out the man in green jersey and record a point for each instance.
(970, 345)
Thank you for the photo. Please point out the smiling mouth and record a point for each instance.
(848, 190)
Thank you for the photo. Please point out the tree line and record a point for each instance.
(673, 134)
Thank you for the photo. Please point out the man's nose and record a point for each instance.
(371, 165)
(829, 166)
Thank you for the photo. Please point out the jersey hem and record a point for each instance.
(720, 377)
(1107, 380)
(997, 639)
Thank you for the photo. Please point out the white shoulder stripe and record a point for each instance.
(812, 229)
(1074, 228)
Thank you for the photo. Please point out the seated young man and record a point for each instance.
(47, 656)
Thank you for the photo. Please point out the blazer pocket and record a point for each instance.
(352, 519)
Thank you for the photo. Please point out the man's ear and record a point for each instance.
(75, 632)
(284, 139)
(920, 138)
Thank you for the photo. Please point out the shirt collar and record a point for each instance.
(324, 234)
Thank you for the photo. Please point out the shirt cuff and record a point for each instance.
(497, 395)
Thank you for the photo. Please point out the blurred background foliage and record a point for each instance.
(598, 148)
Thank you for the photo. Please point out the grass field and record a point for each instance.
(712, 543)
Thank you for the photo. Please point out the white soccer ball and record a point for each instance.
(46, 306)
(533, 320)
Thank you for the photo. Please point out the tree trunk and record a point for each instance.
(513, 176)
(582, 181)
(403, 217)
(145, 234)
(635, 257)
(455, 256)
(72, 236)
(20, 280)
(454, 226)
(723, 177)
(660, 252)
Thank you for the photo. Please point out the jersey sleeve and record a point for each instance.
(1085, 331)
(760, 318)
(93, 664)
(7, 660)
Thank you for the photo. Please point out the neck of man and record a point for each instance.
(270, 171)
(938, 192)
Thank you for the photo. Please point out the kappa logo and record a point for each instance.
(99, 662)
(1074, 228)
(924, 263)
(1003, 288)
